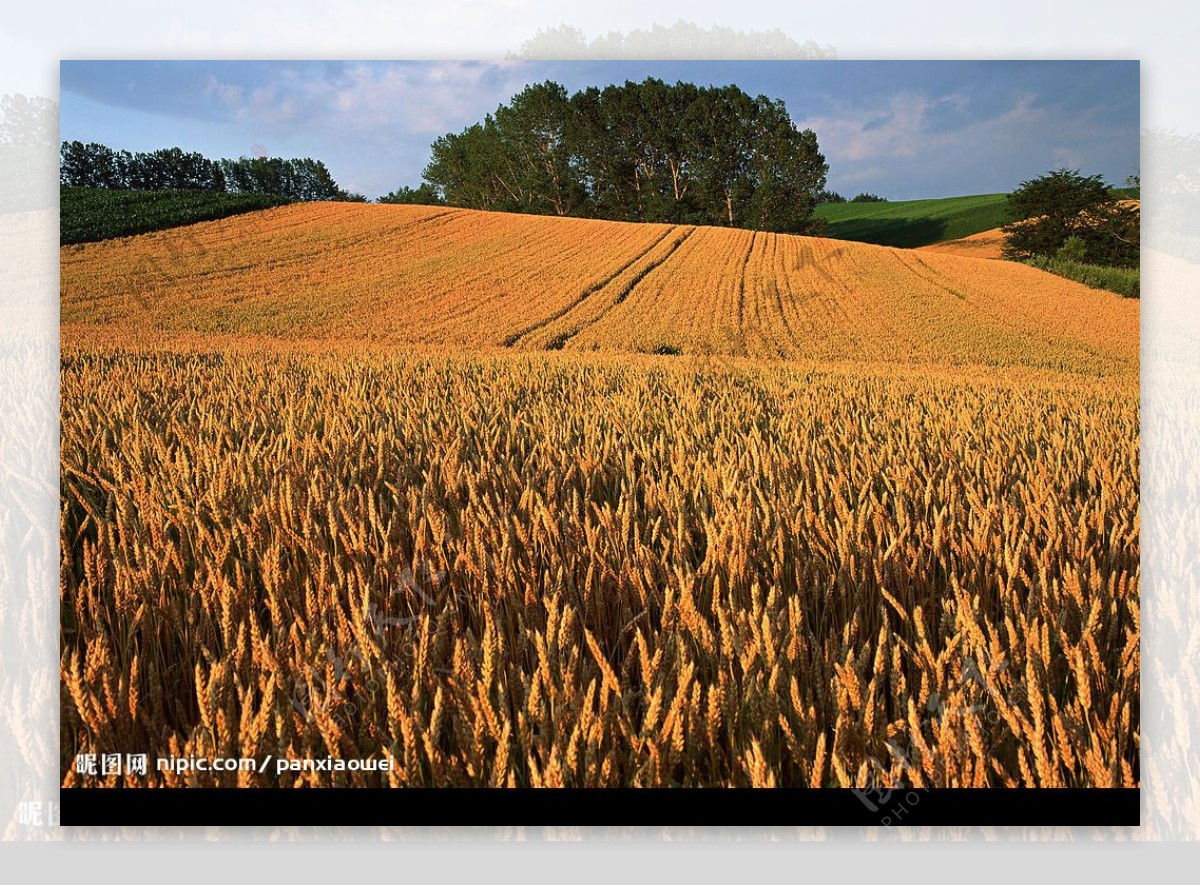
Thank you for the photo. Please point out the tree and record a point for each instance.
(311, 180)
(1051, 209)
(535, 149)
(787, 168)
(600, 136)
(423, 195)
(723, 126)
(824, 196)
(1111, 234)
(867, 198)
(90, 166)
(466, 169)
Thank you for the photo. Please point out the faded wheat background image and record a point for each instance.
(1170, 370)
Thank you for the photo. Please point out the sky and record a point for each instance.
(901, 129)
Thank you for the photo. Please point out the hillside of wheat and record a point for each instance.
(397, 275)
(985, 244)
(521, 501)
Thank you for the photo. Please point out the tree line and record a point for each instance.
(835, 197)
(648, 152)
(99, 166)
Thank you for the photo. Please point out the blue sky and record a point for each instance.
(901, 129)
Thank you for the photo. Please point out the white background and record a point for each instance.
(35, 36)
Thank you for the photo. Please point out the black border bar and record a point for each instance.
(583, 807)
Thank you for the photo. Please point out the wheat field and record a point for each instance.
(985, 244)
(502, 547)
(551, 572)
(403, 275)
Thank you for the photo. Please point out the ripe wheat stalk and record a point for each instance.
(546, 569)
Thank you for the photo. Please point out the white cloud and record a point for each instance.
(361, 97)
(914, 130)
(227, 94)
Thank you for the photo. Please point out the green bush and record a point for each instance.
(1072, 250)
(1122, 281)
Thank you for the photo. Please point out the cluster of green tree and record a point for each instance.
(648, 151)
(99, 166)
(1073, 217)
(824, 197)
(422, 195)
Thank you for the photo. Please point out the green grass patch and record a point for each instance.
(912, 223)
(90, 214)
(1122, 281)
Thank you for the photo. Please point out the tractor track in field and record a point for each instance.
(516, 337)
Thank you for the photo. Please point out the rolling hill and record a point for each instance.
(408, 275)
(912, 223)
